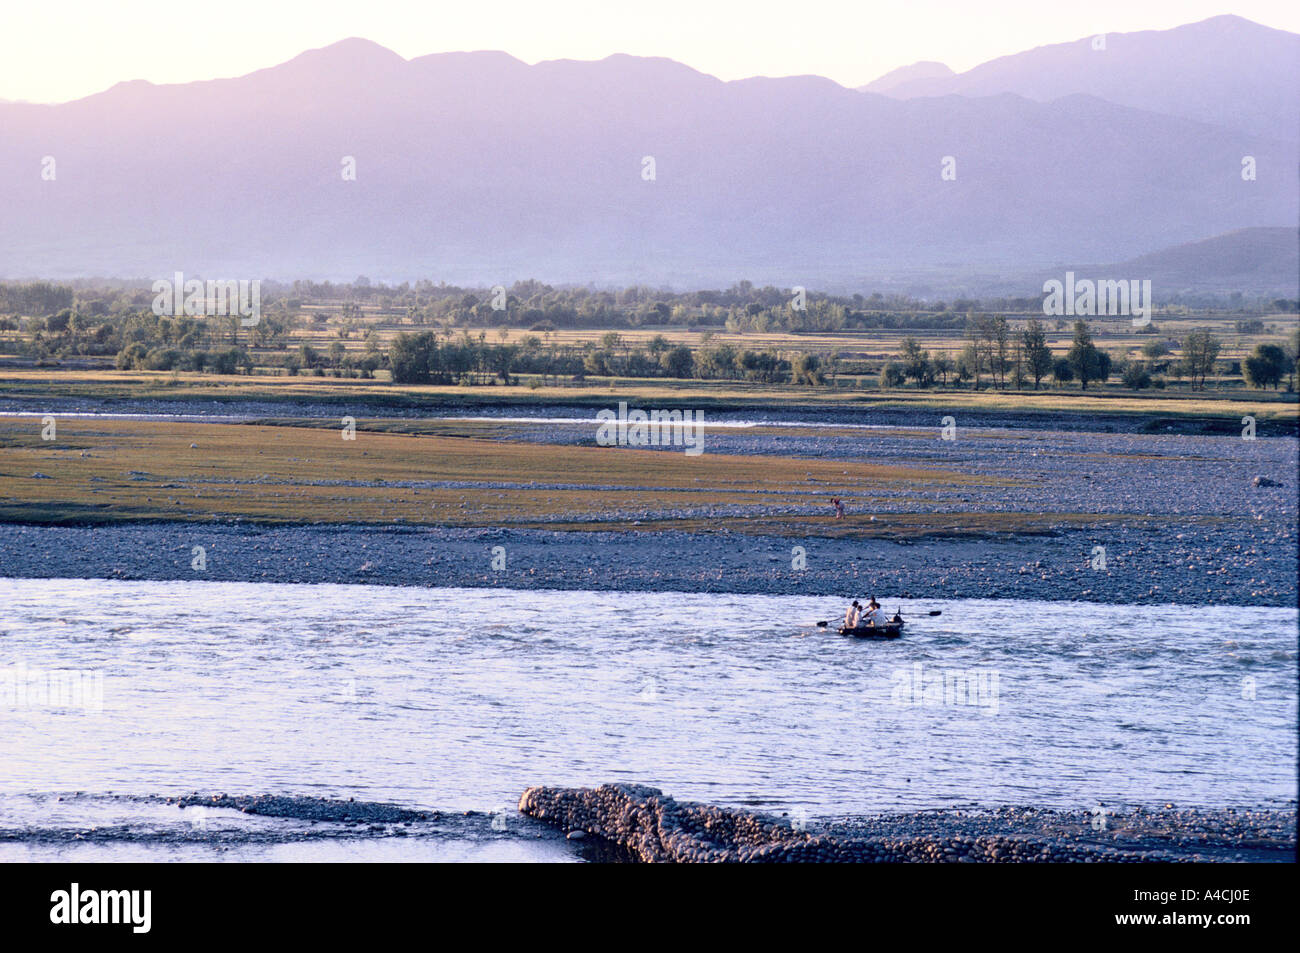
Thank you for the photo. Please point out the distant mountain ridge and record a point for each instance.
(916, 72)
(1225, 70)
(1264, 260)
(478, 168)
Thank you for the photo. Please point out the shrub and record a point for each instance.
(131, 357)
(1136, 375)
(678, 362)
(891, 375)
(806, 369)
(163, 359)
(228, 361)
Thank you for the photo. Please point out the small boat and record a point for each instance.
(890, 630)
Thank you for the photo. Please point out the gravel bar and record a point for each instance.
(646, 826)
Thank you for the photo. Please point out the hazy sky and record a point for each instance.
(57, 50)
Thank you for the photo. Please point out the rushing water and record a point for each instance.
(461, 698)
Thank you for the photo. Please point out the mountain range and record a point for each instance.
(1249, 259)
(477, 167)
(1225, 70)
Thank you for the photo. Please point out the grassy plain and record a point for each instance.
(108, 471)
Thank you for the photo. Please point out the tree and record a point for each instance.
(1086, 361)
(1200, 350)
(1293, 360)
(596, 362)
(678, 362)
(764, 366)
(1154, 350)
(1266, 367)
(982, 335)
(717, 363)
(58, 323)
(1136, 375)
(1038, 356)
(503, 359)
(409, 357)
(1062, 372)
(1018, 366)
(806, 369)
(916, 362)
(1001, 337)
(969, 364)
(891, 375)
(131, 357)
(229, 361)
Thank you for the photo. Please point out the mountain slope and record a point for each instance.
(1224, 70)
(477, 167)
(915, 72)
(1264, 260)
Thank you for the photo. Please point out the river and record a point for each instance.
(458, 699)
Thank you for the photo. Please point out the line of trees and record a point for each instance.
(994, 350)
(37, 297)
(1009, 358)
(114, 319)
(428, 357)
(743, 307)
(225, 361)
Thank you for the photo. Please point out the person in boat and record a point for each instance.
(873, 616)
(852, 615)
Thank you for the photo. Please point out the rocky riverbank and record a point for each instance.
(1201, 566)
(653, 828)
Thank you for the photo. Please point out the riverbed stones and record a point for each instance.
(654, 828)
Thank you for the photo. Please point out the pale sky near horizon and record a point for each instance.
(65, 49)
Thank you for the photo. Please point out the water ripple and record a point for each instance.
(457, 699)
